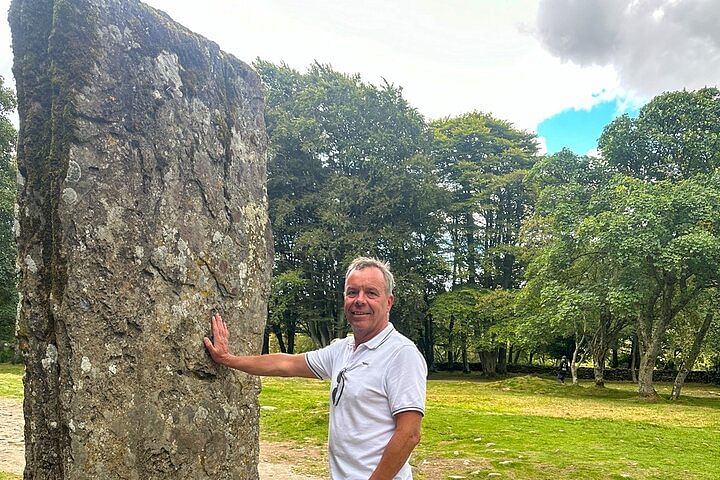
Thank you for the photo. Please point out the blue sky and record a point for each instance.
(560, 68)
(579, 130)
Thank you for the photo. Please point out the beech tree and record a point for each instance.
(483, 162)
(348, 175)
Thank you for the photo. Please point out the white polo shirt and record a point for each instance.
(385, 376)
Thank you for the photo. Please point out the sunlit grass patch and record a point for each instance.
(11, 385)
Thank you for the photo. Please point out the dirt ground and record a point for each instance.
(278, 461)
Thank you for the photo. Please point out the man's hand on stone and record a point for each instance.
(218, 347)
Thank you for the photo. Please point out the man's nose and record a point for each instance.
(360, 298)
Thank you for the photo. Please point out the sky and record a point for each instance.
(561, 68)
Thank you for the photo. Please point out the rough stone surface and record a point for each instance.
(141, 209)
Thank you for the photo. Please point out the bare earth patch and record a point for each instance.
(278, 461)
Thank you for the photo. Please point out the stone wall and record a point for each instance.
(142, 209)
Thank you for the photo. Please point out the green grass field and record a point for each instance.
(532, 428)
(519, 428)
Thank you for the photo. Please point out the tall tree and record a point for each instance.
(568, 276)
(675, 138)
(8, 289)
(347, 175)
(676, 135)
(663, 240)
(483, 162)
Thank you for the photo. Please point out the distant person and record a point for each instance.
(378, 379)
(563, 368)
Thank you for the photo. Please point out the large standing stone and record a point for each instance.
(142, 209)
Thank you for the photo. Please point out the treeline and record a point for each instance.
(501, 255)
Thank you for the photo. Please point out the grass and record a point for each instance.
(11, 382)
(532, 428)
(519, 427)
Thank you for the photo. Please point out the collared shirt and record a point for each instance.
(382, 377)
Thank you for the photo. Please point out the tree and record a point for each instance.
(8, 291)
(568, 277)
(699, 321)
(676, 135)
(675, 139)
(348, 175)
(474, 317)
(483, 162)
(663, 240)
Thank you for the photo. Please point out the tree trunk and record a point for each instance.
(599, 369)
(266, 341)
(614, 362)
(599, 351)
(466, 364)
(634, 359)
(516, 360)
(645, 376)
(428, 342)
(575, 360)
(502, 360)
(688, 363)
(291, 326)
(489, 358)
(450, 344)
(278, 335)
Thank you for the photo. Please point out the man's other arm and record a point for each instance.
(401, 444)
(276, 364)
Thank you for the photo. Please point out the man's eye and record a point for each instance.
(372, 294)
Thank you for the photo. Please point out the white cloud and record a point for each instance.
(542, 145)
(654, 45)
(450, 57)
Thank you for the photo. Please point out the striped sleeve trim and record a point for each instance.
(312, 368)
(409, 409)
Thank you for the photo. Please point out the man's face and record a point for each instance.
(367, 304)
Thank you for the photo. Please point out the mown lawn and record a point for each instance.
(519, 428)
(532, 428)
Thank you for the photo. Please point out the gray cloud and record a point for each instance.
(654, 45)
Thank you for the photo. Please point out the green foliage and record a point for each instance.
(8, 292)
(348, 176)
(676, 135)
(483, 162)
(478, 314)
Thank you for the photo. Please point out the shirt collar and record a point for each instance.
(380, 338)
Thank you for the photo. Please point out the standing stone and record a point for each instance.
(142, 209)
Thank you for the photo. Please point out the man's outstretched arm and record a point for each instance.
(276, 364)
(401, 444)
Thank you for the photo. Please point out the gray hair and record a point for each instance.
(361, 263)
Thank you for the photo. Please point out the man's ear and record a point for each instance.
(391, 300)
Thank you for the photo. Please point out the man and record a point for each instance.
(377, 398)
(563, 369)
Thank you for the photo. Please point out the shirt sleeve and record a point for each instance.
(406, 381)
(321, 361)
